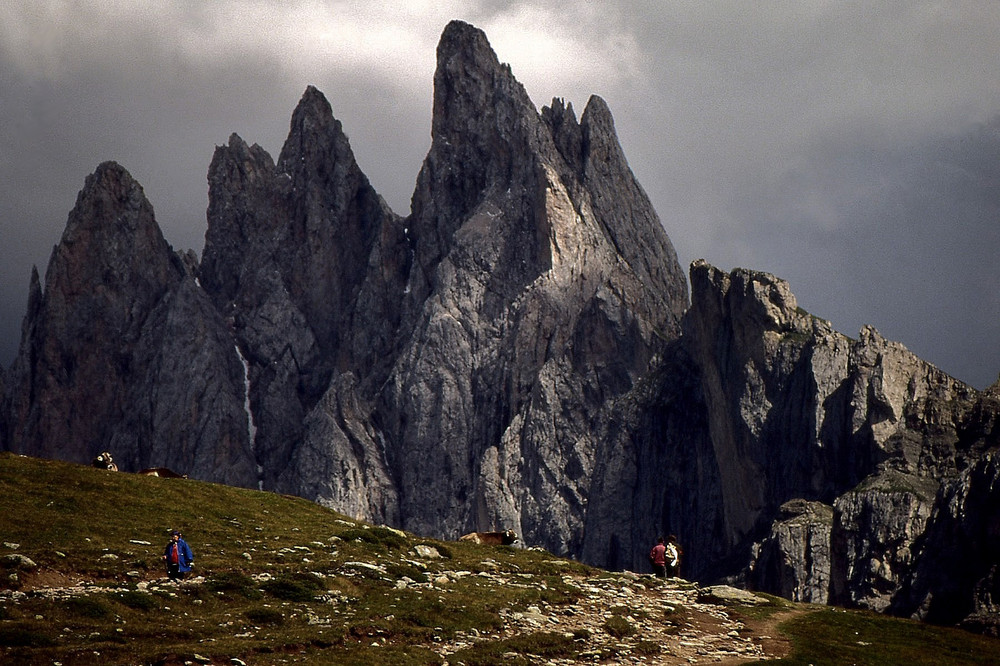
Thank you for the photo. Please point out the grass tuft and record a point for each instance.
(619, 627)
(15, 636)
(233, 583)
(92, 608)
(266, 616)
(295, 587)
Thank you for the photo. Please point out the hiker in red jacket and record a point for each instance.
(658, 558)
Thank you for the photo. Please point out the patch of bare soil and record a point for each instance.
(43, 579)
(775, 644)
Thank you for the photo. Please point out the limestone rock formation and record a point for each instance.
(656, 474)
(341, 461)
(113, 350)
(796, 460)
(308, 264)
(532, 304)
(956, 577)
(876, 529)
(794, 560)
(862, 424)
(516, 353)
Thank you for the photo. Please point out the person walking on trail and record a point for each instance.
(658, 558)
(672, 555)
(178, 557)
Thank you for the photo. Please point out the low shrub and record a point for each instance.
(377, 536)
(233, 582)
(619, 627)
(87, 607)
(399, 570)
(263, 615)
(138, 600)
(295, 587)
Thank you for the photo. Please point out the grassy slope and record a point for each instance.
(315, 602)
(832, 636)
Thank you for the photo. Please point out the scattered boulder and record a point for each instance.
(427, 552)
(19, 561)
(505, 538)
(727, 595)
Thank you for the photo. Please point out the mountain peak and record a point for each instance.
(312, 107)
(110, 186)
(112, 213)
(464, 40)
(474, 93)
(315, 136)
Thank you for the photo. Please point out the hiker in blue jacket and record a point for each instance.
(178, 557)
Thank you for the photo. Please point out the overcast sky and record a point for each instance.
(851, 148)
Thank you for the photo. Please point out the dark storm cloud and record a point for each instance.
(846, 147)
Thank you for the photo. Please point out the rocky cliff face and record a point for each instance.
(840, 451)
(801, 462)
(308, 264)
(531, 305)
(516, 353)
(794, 560)
(122, 351)
(955, 575)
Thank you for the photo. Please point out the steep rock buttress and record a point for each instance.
(122, 351)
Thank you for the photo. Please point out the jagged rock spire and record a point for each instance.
(104, 278)
(107, 347)
(112, 256)
(525, 276)
(309, 262)
(471, 86)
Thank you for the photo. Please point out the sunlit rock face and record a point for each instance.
(543, 285)
(445, 371)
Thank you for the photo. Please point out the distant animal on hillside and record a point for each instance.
(491, 538)
(162, 472)
(104, 461)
